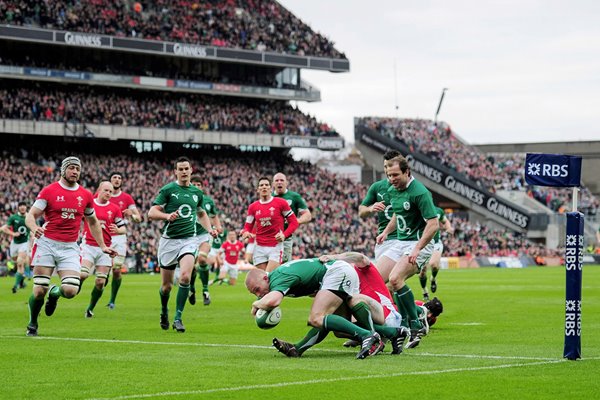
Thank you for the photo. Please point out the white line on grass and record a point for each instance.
(246, 346)
(466, 323)
(317, 381)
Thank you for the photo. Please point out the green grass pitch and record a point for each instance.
(500, 337)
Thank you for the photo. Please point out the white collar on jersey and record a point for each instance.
(266, 202)
(101, 204)
(68, 187)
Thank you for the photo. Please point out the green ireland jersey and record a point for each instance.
(187, 200)
(218, 241)
(298, 278)
(442, 218)
(379, 192)
(296, 202)
(208, 205)
(413, 206)
(17, 223)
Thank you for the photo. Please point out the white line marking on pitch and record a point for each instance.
(317, 381)
(466, 323)
(246, 346)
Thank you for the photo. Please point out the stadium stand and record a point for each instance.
(493, 172)
(116, 106)
(261, 25)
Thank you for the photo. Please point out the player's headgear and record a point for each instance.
(66, 162)
(434, 306)
(113, 173)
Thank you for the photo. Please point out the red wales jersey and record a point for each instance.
(107, 214)
(372, 285)
(268, 218)
(123, 200)
(232, 251)
(64, 208)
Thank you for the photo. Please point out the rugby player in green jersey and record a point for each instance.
(332, 284)
(434, 261)
(298, 206)
(416, 222)
(202, 268)
(19, 245)
(179, 204)
(377, 202)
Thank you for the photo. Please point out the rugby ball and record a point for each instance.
(268, 319)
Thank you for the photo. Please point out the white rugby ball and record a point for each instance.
(268, 319)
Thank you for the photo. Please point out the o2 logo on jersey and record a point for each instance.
(185, 211)
(387, 213)
(22, 230)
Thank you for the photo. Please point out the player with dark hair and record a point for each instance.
(268, 214)
(204, 246)
(429, 311)
(63, 204)
(298, 206)
(111, 222)
(19, 245)
(129, 210)
(332, 283)
(415, 220)
(179, 204)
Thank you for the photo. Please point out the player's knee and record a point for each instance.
(397, 281)
(316, 320)
(70, 286)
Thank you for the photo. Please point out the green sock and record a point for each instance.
(27, 271)
(182, 296)
(18, 280)
(313, 337)
(114, 288)
(203, 272)
(96, 294)
(193, 281)
(423, 281)
(386, 331)
(340, 324)
(362, 313)
(217, 273)
(401, 309)
(164, 302)
(35, 306)
(407, 299)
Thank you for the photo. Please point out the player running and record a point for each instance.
(434, 261)
(112, 223)
(19, 245)
(63, 204)
(231, 250)
(268, 215)
(298, 206)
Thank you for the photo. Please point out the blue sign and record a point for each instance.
(556, 170)
(573, 267)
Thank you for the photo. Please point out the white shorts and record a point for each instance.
(205, 237)
(171, 250)
(94, 255)
(263, 254)
(230, 269)
(250, 248)
(341, 276)
(213, 252)
(384, 248)
(404, 248)
(439, 246)
(64, 256)
(16, 248)
(119, 243)
(394, 319)
(288, 245)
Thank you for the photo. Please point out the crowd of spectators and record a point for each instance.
(492, 172)
(155, 109)
(262, 25)
(229, 177)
